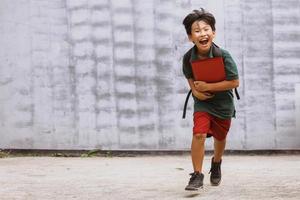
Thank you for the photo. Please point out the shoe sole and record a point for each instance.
(215, 184)
(193, 189)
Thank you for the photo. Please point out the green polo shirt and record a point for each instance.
(222, 104)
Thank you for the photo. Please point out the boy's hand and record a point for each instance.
(202, 95)
(201, 86)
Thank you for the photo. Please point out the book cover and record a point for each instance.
(209, 70)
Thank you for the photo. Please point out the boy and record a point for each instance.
(213, 102)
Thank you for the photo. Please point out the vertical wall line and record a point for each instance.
(73, 78)
(114, 70)
(273, 87)
(244, 143)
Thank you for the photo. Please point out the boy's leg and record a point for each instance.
(219, 147)
(197, 154)
(220, 128)
(216, 161)
(201, 127)
(197, 151)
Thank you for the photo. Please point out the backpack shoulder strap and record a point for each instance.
(187, 57)
(185, 103)
(216, 50)
(186, 60)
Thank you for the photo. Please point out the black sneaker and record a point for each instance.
(215, 172)
(196, 181)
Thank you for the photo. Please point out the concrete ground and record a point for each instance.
(146, 177)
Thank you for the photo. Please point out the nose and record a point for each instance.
(202, 33)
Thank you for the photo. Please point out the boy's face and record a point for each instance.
(202, 36)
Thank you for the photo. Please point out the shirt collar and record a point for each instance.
(194, 55)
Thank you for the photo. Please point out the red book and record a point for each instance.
(209, 70)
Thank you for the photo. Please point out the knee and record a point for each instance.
(200, 137)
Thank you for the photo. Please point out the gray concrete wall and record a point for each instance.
(79, 74)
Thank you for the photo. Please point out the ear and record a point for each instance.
(190, 37)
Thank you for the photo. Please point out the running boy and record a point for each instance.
(213, 102)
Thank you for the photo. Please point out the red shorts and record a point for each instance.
(205, 123)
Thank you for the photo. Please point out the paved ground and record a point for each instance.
(146, 177)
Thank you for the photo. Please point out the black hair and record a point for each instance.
(198, 15)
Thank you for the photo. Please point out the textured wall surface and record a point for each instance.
(85, 74)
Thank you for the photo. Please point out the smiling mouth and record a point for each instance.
(203, 42)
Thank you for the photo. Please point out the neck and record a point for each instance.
(202, 55)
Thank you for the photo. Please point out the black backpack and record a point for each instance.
(216, 51)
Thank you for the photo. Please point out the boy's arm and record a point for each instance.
(200, 95)
(216, 87)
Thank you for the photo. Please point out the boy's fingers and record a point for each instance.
(210, 96)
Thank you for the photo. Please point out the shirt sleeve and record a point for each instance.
(230, 66)
(186, 67)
